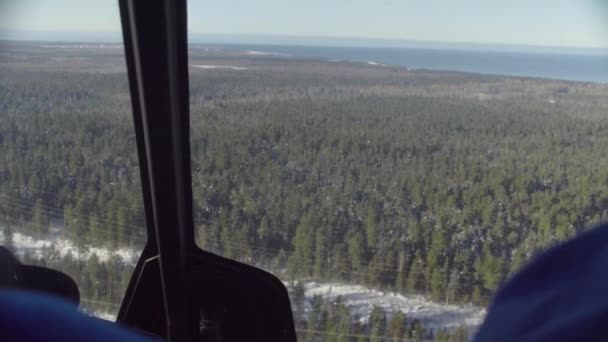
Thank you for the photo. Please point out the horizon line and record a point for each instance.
(377, 41)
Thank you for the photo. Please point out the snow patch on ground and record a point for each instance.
(361, 300)
(36, 247)
(261, 53)
(376, 64)
(231, 67)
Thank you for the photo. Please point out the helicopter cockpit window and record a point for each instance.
(393, 163)
(70, 194)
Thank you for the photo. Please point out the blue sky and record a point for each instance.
(577, 23)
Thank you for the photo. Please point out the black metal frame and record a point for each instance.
(175, 285)
(159, 95)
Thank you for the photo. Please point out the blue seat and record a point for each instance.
(32, 316)
(562, 295)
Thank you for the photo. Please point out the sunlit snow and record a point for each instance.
(360, 300)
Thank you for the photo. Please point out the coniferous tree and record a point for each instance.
(377, 324)
(396, 328)
(320, 254)
(356, 252)
(39, 224)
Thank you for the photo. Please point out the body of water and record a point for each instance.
(566, 65)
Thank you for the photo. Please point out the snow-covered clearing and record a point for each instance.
(207, 66)
(376, 64)
(35, 247)
(261, 53)
(360, 300)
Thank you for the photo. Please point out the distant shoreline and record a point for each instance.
(564, 67)
(592, 68)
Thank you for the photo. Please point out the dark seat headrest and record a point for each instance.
(13, 274)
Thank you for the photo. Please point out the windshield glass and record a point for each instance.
(70, 194)
(390, 174)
